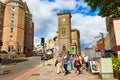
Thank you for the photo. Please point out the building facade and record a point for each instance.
(113, 28)
(75, 44)
(2, 9)
(68, 39)
(29, 32)
(107, 45)
(18, 28)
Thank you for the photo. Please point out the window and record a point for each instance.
(19, 48)
(63, 31)
(10, 48)
(64, 48)
(11, 29)
(11, 38)
(12, 15)
(13, 8)
(12, 22)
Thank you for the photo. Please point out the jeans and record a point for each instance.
(87, 65)
(71, 65)
(65, 67)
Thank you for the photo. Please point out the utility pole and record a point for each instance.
(103, 45)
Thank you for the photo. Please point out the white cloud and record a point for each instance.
(65, 4)
(89, 26)
(36, 40)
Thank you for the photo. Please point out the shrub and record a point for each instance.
(116, 63)
(18, 52)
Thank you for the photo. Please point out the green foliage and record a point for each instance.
(116, 63)
(18, 52)
(108, 8)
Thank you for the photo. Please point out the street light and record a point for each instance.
(103, 47)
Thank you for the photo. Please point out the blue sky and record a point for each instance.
(45, 19)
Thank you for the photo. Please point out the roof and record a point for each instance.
(63, 13)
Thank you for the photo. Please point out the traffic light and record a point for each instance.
(1, 43)
(42, 41)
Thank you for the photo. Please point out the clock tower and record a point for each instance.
(64, 31)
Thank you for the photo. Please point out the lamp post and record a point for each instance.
(103, 46)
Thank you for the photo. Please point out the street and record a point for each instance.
(17, 69)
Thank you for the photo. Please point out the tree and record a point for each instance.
(108, 8)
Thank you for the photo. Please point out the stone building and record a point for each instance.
(29, 32)
(75, 44)
(18, 28)
(2, 9)
(68, 39)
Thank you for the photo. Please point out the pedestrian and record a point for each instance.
(0, 64)
(81, 62)
(59, 64)
(77, 64)
(86, 61)
(71, 62)
(65, 63)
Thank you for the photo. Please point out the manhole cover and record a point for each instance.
(35, 74)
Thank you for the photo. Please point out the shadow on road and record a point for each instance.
(10, 61)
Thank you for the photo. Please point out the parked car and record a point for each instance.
(3, 52)
(45, 56)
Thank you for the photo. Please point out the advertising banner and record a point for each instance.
(94, 67)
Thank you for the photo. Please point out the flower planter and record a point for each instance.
(117, 74)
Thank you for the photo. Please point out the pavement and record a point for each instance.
(48, 72)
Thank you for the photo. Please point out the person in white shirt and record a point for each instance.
(86, 61)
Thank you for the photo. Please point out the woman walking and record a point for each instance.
(77, 64)
(59, 64)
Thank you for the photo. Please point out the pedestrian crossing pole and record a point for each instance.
(42, 43)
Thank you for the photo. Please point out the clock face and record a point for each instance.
(63, 19)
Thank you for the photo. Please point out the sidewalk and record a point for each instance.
(48, 72)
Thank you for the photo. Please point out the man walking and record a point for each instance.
(65, 63)
(86, 61)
